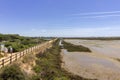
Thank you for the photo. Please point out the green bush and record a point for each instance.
(37, 77)
(71, 47)
(28, 58)
(37, 69)
(12, 72)
(19, 43)
(61, 78)
(49, 66)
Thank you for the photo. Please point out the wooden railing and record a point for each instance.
(15, 56)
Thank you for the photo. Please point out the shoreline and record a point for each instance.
(72, 65)
(91, 65)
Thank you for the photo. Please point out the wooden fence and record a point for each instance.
(16, 56)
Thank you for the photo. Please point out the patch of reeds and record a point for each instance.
(72, 48)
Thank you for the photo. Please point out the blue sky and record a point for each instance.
(68, 18)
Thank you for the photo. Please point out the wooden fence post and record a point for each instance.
(26, 51)
(10, 59)
(15, 56)
(20, 54)
(34, 48)
(23, 53)
(2, 62)
(31, 49)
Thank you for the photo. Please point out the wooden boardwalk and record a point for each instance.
(15, 56)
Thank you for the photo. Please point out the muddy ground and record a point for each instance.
(101, 63)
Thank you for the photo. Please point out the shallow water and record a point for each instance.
(107, 48)
(100, 64)
(88, 60)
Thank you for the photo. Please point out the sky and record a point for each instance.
(60, 18)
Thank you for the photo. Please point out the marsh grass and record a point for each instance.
(72, 48)
(49, 66)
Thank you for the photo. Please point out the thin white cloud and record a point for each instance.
(77, 32)
(33, 30)
(102, 16)
(98, 13)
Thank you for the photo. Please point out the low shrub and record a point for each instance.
(12, 72)
(49, 66)
(28, 58)
(71, 47)
(37, 69)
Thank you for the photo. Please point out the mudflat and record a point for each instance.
(102, 63)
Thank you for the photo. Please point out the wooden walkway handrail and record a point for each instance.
(17, 55)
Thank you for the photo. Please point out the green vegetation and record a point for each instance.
(19, 43)
(71, 47)
(49, 66)
(12, 72)
(28, 58)
(15, 72)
